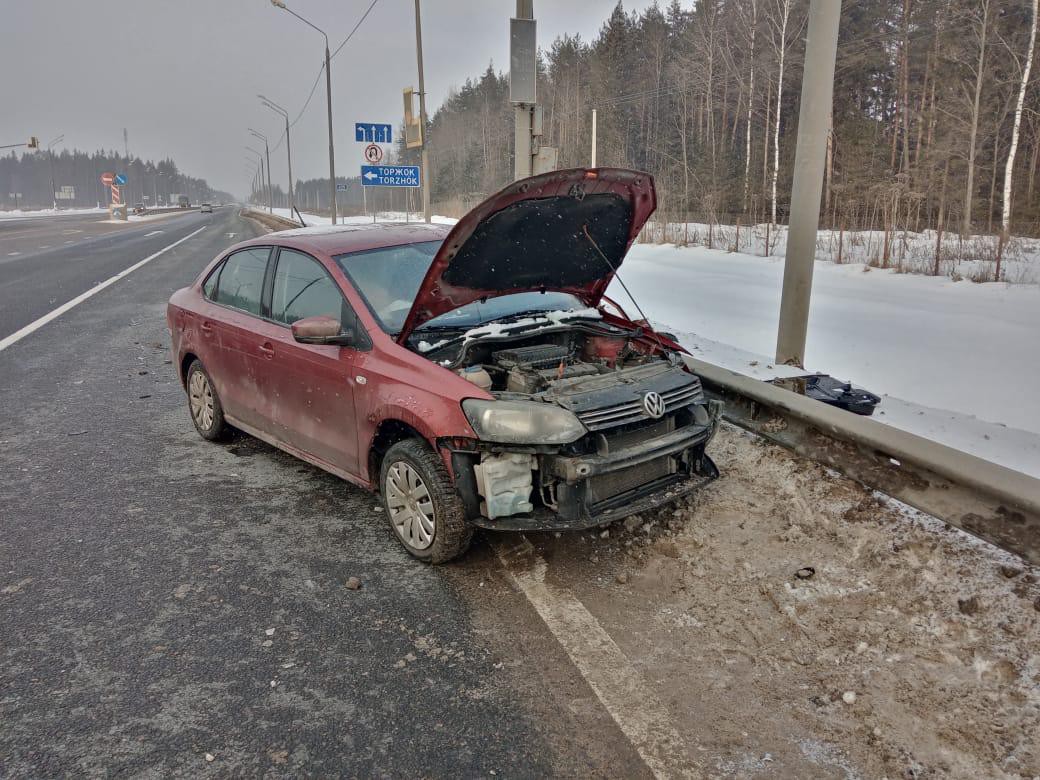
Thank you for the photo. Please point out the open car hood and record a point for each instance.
(532, 237)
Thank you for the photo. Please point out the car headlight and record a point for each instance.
(522, 422)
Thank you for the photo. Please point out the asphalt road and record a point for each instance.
(48, 260)
(172, 607)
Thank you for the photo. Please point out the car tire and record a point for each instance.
(425, 512)
(204, 407)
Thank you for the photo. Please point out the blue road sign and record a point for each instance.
(120, 179)
(390, 175)
(371, 132)
(341, 188)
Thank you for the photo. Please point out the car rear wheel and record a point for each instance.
(425, 513)
(204, 404)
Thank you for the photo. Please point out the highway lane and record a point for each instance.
(47, 261)
(163, 598)
(30, 235)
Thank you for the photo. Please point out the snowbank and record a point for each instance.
(34, 214)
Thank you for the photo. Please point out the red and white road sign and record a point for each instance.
(373, 154)
(117, 197)
(107, 178)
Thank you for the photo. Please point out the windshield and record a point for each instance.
(388, 279)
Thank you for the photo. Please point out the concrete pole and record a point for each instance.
(523, 116)
(593, 165)
(270, 190)
(425, 160)
(810, 153)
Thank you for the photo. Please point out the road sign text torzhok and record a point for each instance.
(390, 175)
(372, 132)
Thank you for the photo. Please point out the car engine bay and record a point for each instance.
(632, 454)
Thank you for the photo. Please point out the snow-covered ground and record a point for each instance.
(954, 361)
(33, 214)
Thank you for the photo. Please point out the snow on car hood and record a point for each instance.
(566, 231)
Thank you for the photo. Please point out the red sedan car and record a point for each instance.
(473, 376)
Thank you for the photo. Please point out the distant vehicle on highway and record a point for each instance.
(183, 201)
(139, 208)
(206, 208)
(472, 376)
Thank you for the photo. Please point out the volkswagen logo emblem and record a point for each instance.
(653, 404)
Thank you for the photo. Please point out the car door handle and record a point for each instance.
(206, 328)
(267, 350)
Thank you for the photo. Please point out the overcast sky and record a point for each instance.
(182, 75)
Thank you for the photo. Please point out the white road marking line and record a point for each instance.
(153, 233)
(45, 246)
(70, 241)
(20, 334)
(619, 686)
(12, 254)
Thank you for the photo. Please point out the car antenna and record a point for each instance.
(610, 265)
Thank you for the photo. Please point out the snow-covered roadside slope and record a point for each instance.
(973, 349)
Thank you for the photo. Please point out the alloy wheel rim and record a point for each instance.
(410, 505)
(200, 398)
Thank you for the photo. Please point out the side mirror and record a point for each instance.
(321, 330)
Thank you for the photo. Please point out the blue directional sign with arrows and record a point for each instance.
(390, 175)
(372, 132)
(120, 179)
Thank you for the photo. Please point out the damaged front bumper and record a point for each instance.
(570, 490)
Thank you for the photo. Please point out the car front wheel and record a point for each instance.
(425, 513)
(204, 404)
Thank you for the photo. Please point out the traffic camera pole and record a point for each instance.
(810, 151)
(425, 159)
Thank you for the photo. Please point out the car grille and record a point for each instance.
(615, 483)
(633, 411)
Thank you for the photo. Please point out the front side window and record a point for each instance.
(303, 288)
(241, 280)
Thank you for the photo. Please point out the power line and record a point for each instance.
(321, 70)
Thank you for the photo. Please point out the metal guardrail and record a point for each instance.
(992, 502)
(272, 221)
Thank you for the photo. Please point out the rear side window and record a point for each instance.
(209, 287)
(240, 282)
(303, 288)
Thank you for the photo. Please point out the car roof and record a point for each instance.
(341, 239)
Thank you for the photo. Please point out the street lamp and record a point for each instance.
(288, 146)
(260, 157)
(50, 155)
(267, 153)
(328, 94)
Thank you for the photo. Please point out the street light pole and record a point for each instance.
(328, 95)
(425, 160)
(288, 146)
(260, 158)
(267, 153)
(50, 156)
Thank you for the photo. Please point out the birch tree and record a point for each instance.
(1009, 166)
